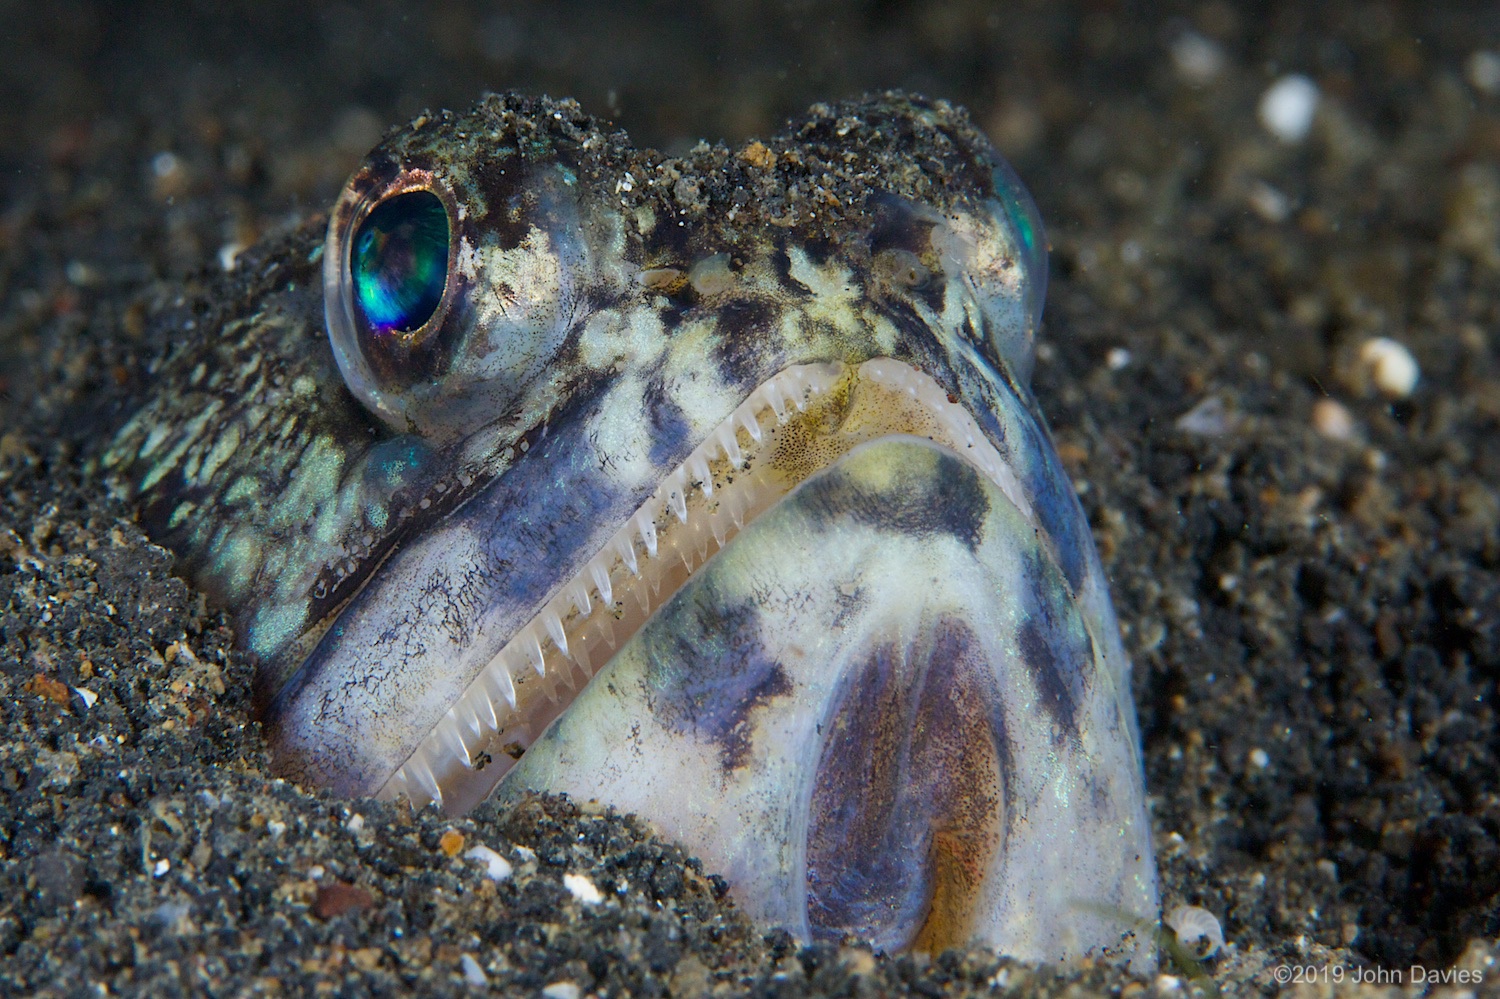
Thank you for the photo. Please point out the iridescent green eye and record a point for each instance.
(399, 262)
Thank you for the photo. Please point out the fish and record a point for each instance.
(710, 487)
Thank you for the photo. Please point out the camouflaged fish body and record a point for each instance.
(893, 704)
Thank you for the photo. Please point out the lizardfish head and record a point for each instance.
(709, 487)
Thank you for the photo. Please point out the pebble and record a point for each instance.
(582, 888)
(337, 899)
(1199, 60)
(1287, 107)
(562, 990)
(1483, 71)
(496, 867)
(1269, 203)
(1333, 420)
(473, 973)
(1209, 418)
(451, 842)
(1391, 366)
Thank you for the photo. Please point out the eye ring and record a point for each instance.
(388, 286)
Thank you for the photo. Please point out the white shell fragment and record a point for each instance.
(1390, 365)
(1333, 420)
(496, 867)
(473, 974)
(1287, 108)
(1197, 929)
(582, 889)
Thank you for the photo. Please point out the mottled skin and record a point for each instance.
(606, 309)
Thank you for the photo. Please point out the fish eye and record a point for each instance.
(398, 263)
(389, 286)
(446, 300)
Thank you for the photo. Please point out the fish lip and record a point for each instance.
(687, 519)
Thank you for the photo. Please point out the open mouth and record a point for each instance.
(800, 421)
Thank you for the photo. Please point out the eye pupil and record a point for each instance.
(399, 262)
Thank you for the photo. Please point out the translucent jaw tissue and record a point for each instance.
(802, 420)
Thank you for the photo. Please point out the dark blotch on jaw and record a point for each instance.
(742, 348)
(907, 804)
(502, 182)
(782, 262)
(947, 500)
(669, 423)
(708, 672)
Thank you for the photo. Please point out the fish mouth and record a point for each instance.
(798, 422)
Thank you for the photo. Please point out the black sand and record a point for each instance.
(1314, 618)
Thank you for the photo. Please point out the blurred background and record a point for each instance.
(262, 108)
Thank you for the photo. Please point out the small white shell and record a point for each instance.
(1197, 929)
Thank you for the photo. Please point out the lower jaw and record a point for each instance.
(800, 421)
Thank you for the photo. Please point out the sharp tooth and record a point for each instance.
(453, 741)
(778, 404)
(488, 712)
(399, 786)
(647, 527)
(678, 504)
(731, 446)
(534, 648)
(701, 474)
(469, 715)
(752, 426)
(642, 599)
(687, 559)
(601, 582)
(581, 657)
(607, 632)
(581, 600)
(500, 679)
(555, 631)
(717, 526)
(626, 548)
(420, 773)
